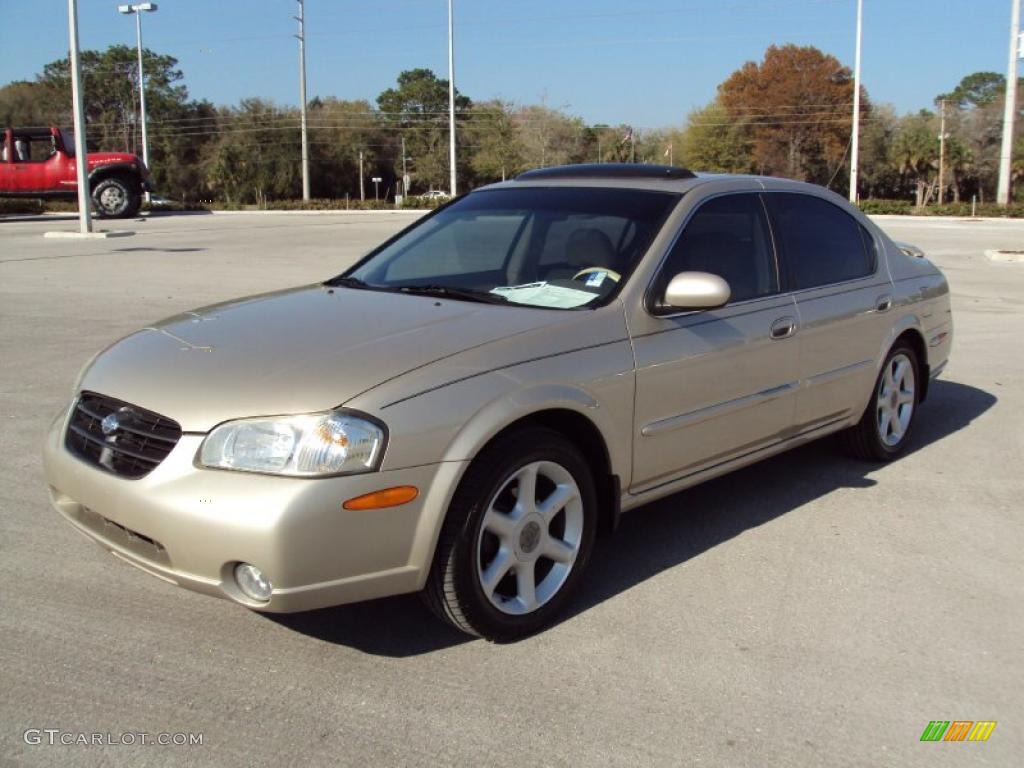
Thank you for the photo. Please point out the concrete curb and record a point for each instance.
(98, 235)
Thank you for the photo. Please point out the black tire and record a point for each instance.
(453, 590)
(116, 197)
(864, 440)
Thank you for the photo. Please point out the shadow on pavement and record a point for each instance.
(660, 535)
(158, 250)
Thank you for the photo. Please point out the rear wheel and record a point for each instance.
(882, 431)
(517, 538)
(116, 197)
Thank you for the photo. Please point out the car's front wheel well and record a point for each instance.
(583, 433)
(914, 338)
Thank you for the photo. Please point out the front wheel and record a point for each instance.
(116, 197)
(882, 432)
(517, 538)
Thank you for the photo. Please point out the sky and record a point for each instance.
(646, 63)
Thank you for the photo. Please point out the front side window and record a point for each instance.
(820, 242)
(552, 247)
(728, 236)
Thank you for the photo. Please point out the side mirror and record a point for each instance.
(697, 290)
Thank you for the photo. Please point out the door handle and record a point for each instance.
(783, 328)
(883, 303)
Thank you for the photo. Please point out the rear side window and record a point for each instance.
(727, 236)
(820, 242)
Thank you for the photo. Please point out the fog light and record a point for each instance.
(253, 583)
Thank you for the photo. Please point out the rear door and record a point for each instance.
(715, 385)
(843, 298)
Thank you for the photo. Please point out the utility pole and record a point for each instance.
(362, 189)
(1006, 155)
(942, 151)
(301, 18)
(405, 173)
(855, 138)
(451, 101)
(84, 212)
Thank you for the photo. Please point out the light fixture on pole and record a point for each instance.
(855, 138)
(451, 100)
(1010, 110)
(138, 9)
(301, 18)
(84, 212)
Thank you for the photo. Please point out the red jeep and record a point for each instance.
(38, 162)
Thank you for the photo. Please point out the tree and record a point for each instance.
(550, 137)
(111, 84)
(975, 118)
(879, 175)
(713, 141)
(492, 141)
(339, 130)
(976, 90)
(915, 153)
(418, 110)
(796, 105)
(256, 153)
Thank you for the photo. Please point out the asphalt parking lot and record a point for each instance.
(807, 611)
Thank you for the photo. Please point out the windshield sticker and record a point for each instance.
(544, 295)
(595, 279)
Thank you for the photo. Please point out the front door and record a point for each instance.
(715, 385)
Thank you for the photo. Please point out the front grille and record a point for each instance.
(122, 439)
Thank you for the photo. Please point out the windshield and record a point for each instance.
(560, 248)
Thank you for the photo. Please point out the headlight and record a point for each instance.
(332, 443)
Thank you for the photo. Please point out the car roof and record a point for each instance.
(659, 178)
(32, 132)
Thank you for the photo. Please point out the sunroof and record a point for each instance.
(608, 171)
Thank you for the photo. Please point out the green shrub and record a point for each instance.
(879, 207)
(907, 208)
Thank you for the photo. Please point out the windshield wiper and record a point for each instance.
(348, 282)
(447, 292)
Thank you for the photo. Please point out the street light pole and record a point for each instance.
(451, 101)
(855, 139)
(301, 18)
(138, 10)
(942, 152)
(84, 212)
(1010, 111)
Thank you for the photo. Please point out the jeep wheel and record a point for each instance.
(116, 197)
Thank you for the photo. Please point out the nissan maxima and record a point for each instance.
(466, 408)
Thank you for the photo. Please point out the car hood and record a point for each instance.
(301, 350)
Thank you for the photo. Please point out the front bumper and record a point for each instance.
(190, 526)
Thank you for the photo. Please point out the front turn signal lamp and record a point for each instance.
(310, 445)
(389, 497)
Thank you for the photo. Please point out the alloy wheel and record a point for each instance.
(895, 400)
(530, 537)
